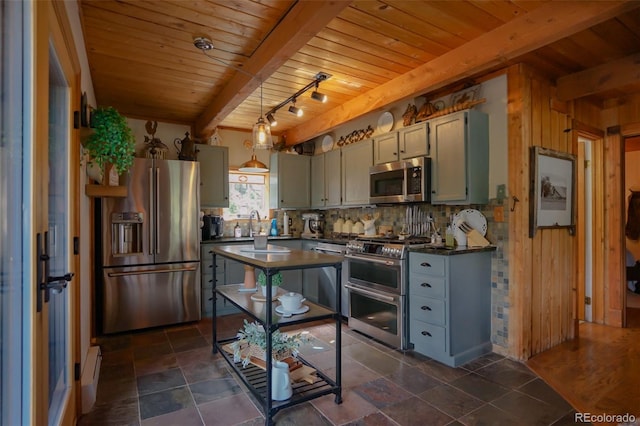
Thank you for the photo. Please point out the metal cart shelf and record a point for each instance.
(257, 380)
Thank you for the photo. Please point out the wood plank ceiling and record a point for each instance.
(144, 63)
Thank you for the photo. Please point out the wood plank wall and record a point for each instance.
(542, 275)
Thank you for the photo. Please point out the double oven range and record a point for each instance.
(377, 281)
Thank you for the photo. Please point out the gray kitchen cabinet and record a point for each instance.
(289, 181)
(357, 158)
(227, 272)
(450, 305)
(413, 141)
(326, 188)
(460, 158)
(292, 278)
(310, 276)
(385, 148)
(214, 176)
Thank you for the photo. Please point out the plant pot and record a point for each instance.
(274, 290)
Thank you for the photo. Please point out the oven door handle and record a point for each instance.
(373, 260)
(328, 250)
(371, 294)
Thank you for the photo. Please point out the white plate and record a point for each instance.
(385, 122)
(474, 218)
(327, 143)
(302, 310)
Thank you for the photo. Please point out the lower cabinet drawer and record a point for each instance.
(428, 310)
(428, 339)
(427, 285)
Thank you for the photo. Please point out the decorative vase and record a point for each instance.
(249, 277)
(94, 172)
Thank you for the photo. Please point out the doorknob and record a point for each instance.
(45, 282)
(56, 284)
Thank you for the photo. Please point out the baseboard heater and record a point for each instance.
(89, 378)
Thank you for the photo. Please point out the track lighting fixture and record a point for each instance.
(295, 110)
(262, 130)
(321, 76)
(317, 96)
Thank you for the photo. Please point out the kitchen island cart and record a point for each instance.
(271, 261)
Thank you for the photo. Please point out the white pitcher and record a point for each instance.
(280, 381)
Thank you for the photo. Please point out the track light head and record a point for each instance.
(295, 110)
(272, 120)
(317, 96)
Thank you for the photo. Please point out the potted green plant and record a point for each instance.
(276, 281)
(111, 142)
(252, 342)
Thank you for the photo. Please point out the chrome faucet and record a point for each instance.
(251, 221)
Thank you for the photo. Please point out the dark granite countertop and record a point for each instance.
(227, 240)
(450, 251)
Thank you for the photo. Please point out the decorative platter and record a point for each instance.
(385, 122)
(327, 143)
(474, 218)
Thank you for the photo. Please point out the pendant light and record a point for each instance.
(262, 131)
(253, 166)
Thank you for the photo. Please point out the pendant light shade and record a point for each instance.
(253, 166)
(262, 131)
(262, 135)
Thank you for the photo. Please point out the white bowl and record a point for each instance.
(291, 301)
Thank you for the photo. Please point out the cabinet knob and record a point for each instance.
(402, 150)
(395, 153)
(425, 308)
(426, 333)
(425, 285)
(426, 264)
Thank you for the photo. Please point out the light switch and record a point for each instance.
(501, 193)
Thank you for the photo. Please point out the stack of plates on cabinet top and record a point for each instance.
(474, 219)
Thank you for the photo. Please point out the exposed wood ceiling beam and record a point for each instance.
(301, 24)
(604, 77)
(544, 25)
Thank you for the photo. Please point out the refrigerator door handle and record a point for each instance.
(156, 210)
(152, 271)
(152, 219)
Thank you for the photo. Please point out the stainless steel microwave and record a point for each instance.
(404, 181)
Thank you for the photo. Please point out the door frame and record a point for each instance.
(52, 28)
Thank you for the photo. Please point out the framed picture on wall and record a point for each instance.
(552, 190)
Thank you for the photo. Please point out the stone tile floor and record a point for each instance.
(169, 376)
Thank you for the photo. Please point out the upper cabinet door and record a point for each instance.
(333, 178)
(290, 181)
(385, 148)
(460, 158)
(318, 197)
(214, 176)
(413, 141)
(356, 161)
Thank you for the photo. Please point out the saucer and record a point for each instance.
(301, 310)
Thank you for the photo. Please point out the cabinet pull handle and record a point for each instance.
(425, 285)
(211, 280)
(426, 264)
(426, 333)
(425, 308)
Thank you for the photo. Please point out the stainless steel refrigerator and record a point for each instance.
(150, 265)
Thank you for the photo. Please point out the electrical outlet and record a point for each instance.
(501, 192)
(498, 213)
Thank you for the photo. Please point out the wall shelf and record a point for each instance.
(98, 190)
